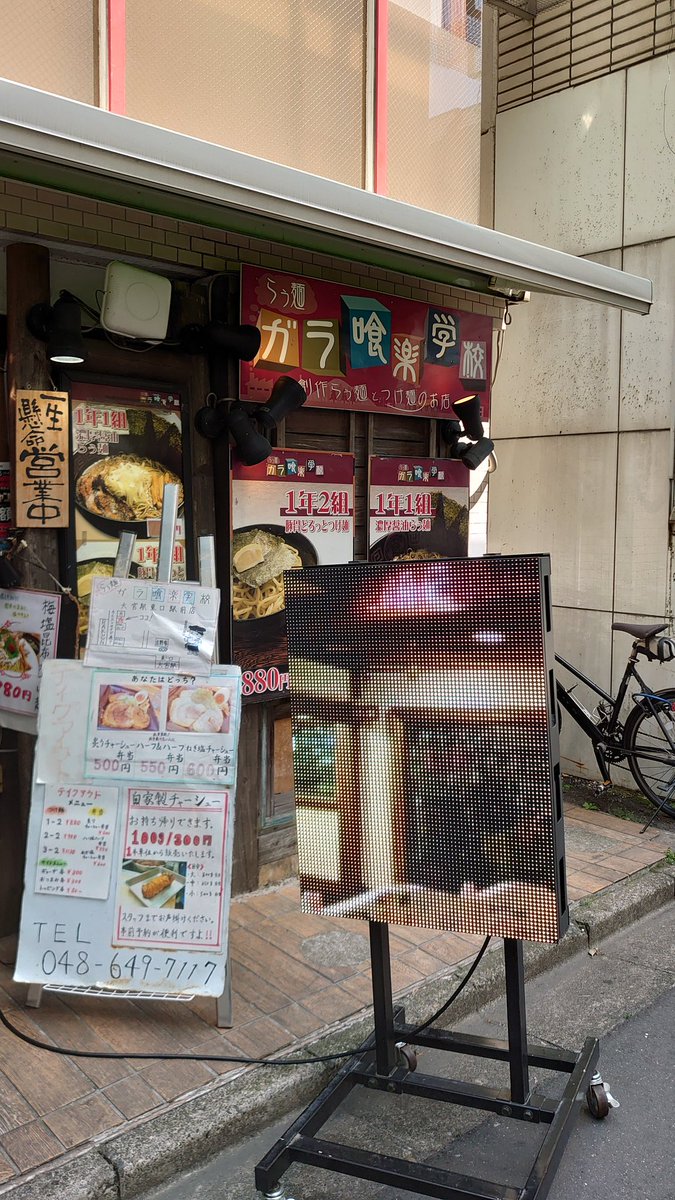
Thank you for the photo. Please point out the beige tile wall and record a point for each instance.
(63, 219)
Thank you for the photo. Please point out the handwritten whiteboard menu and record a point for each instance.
(157, 626)
(127, 880)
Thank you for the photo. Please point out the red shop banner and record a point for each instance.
(295, 509)
(366, 351)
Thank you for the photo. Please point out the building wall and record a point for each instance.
(292, 82)
(583, 403)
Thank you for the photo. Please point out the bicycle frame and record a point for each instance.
(607, 733)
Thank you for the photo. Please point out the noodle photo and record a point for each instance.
(259, 560)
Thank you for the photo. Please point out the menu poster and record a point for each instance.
(153, 626)
(173, 862)
(418, 508)
(127, 442)
(76, 841)
(295, 509)
(127, 881)
(29, 628)
(171, 728)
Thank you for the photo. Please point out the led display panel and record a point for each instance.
(425, 745)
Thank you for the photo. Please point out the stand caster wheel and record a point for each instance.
(596, 1099)
(406, 1056)
(277, 1193)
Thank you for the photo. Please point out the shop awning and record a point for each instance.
(61, 143)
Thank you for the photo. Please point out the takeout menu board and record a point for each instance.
(295, 509)
(418, 509)
(129, 854)
(127, 443)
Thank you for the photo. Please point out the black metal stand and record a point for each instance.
(386, 1065)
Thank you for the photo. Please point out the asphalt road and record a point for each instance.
(624, 994)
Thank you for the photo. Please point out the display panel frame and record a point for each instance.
(463, 649)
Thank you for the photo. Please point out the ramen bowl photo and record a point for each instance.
(132, 708)
(260, 555)
(123, 491)
(198, 709)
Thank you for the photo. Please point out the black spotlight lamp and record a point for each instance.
(472, 454)
(242, 341)
(241, 420)
(60, 326)
(252, 446)
(475, 453)
(286, 397)
(468, 411)
(213, 421)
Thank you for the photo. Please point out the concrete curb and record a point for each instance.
(122, 1165)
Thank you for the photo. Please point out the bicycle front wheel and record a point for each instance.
(651, 757)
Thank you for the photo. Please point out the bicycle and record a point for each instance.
(645, 742)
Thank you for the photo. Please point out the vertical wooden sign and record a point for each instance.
(41, 473)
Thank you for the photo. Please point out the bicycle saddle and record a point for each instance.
(640, 631)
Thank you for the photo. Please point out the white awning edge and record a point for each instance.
(83, 138)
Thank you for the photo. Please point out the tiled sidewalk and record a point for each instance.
(293, 975)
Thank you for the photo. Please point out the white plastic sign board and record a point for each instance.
(127, 882)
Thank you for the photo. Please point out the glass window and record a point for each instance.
(279, 81)
(51, 46)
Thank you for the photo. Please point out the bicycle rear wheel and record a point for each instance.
(644, 732)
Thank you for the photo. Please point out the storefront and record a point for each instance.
(362, 468)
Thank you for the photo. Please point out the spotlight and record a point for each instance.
(286, 396)
(468, 411)
(252, 446)
(60, 327)
(239, 419)
(473, 453)
(243, 341)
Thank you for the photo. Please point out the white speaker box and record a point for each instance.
(135, 302)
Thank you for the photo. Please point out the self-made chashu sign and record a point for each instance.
(41, 472)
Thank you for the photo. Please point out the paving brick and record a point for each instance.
(133, 1096)
(31, 1145)
(7, 1169)
(332, 1004)
(172, 1079)
(259, 1038)
(14, 1110)
(77, 1123)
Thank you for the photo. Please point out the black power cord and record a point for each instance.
(258, 1062)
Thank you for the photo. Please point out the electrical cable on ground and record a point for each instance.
(258, 1062)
